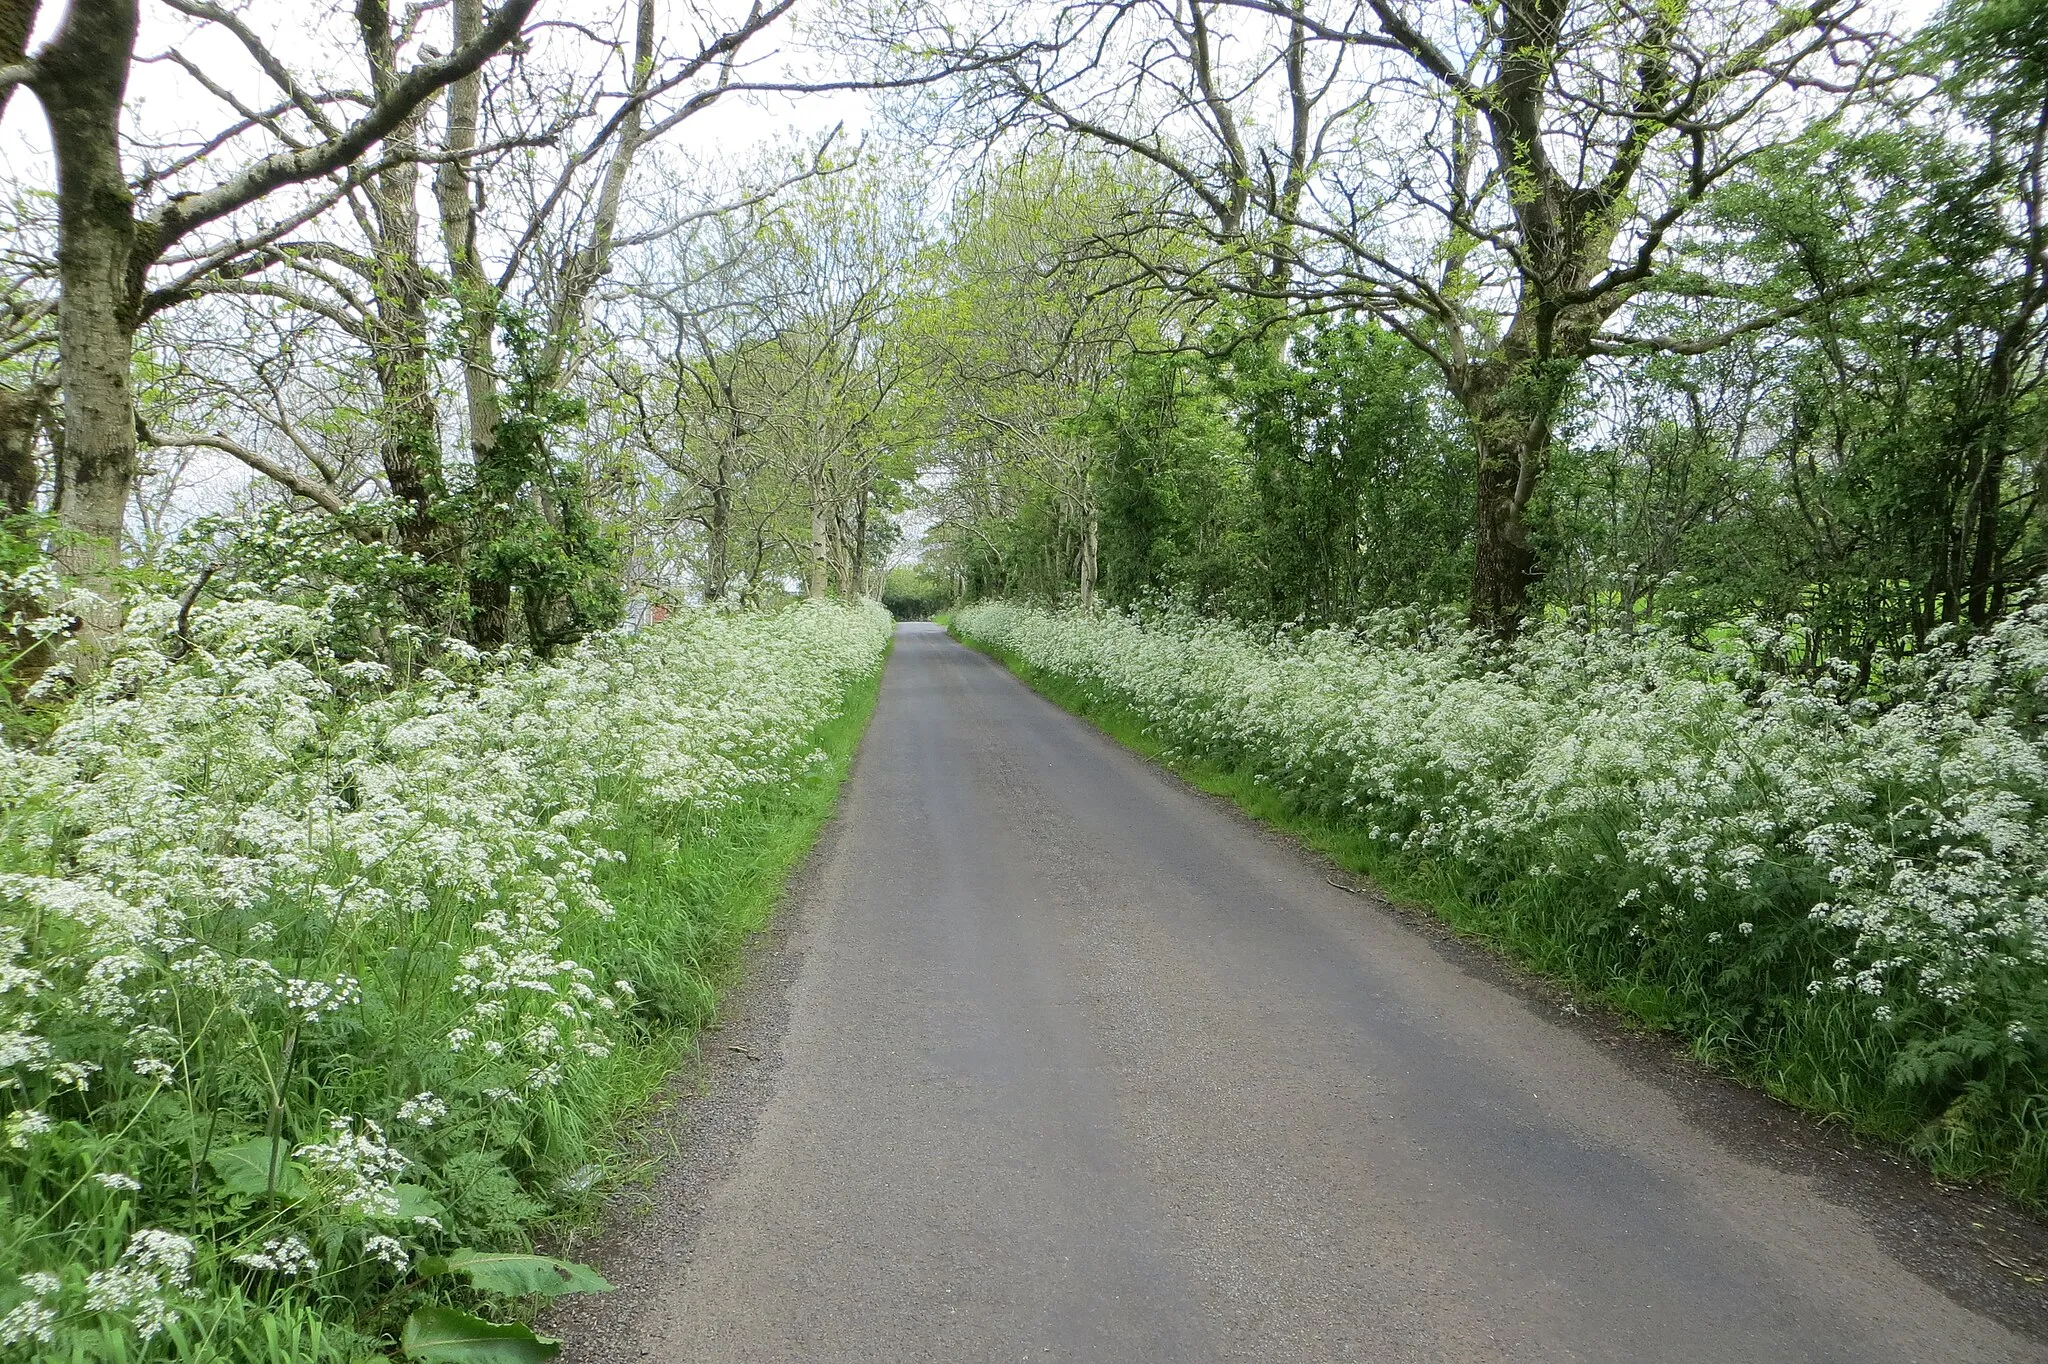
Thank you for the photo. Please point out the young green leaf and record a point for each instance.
(414, 1202)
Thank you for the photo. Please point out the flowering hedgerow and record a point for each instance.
(1847, 895)
(305, 966)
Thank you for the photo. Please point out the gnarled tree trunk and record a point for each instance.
(718, 529)
(1511, 406)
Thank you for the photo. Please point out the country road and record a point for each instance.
(1071, 1063)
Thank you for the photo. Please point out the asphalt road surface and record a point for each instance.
(1079, 1066)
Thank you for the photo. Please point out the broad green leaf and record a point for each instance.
(246, 1167)
(442, 1335)
(415, 1201)
(514, 1275)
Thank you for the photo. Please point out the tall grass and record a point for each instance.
(312, 972)
(1841, 900)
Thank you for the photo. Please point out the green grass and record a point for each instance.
(1812, 1053)
(686, 905)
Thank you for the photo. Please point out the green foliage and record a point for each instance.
(517, 1275)
(911, 593)
(454, 1337)
(32, 624)
(1173, 486)
(533, 540)
(1364, 492)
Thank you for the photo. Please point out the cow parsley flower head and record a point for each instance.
(422, 1110)
(25, 1126)
(286, 1255)
(387, 1249)
(152, 1271)
(31, 1321)
(310, 1000)
(357, 1166)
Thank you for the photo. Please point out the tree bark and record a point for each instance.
(21, 416)
(1512, 410)
(17, 21)
(490, 597)
(27, 655)
(821, 545)
(408, 443)
(857, 552)
(1091, 547)
(82, 76)
(718, 528)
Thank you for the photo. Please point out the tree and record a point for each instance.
(1499, 183)
(1026, 329)
(107, 250)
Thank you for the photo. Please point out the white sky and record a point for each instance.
(160, 96)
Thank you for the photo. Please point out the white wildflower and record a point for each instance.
(73, 1074)
(26, 1125)
(357, 1167)
(388, 1249)
(286, 1255)
(32, 1321)
(422, 1110)
(156, 1266)
(312, 999)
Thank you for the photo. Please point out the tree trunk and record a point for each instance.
(857, 552)
(408, 441)
(1512, 409)
(28, 655)
(1987, 489)
(842, 558)
(718, 529)
(821, 545)
(1091, 549)
(17, 21)
(83, 74)
(21, 416)
(490, 596)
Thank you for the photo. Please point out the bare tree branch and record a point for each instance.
(305, 487)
